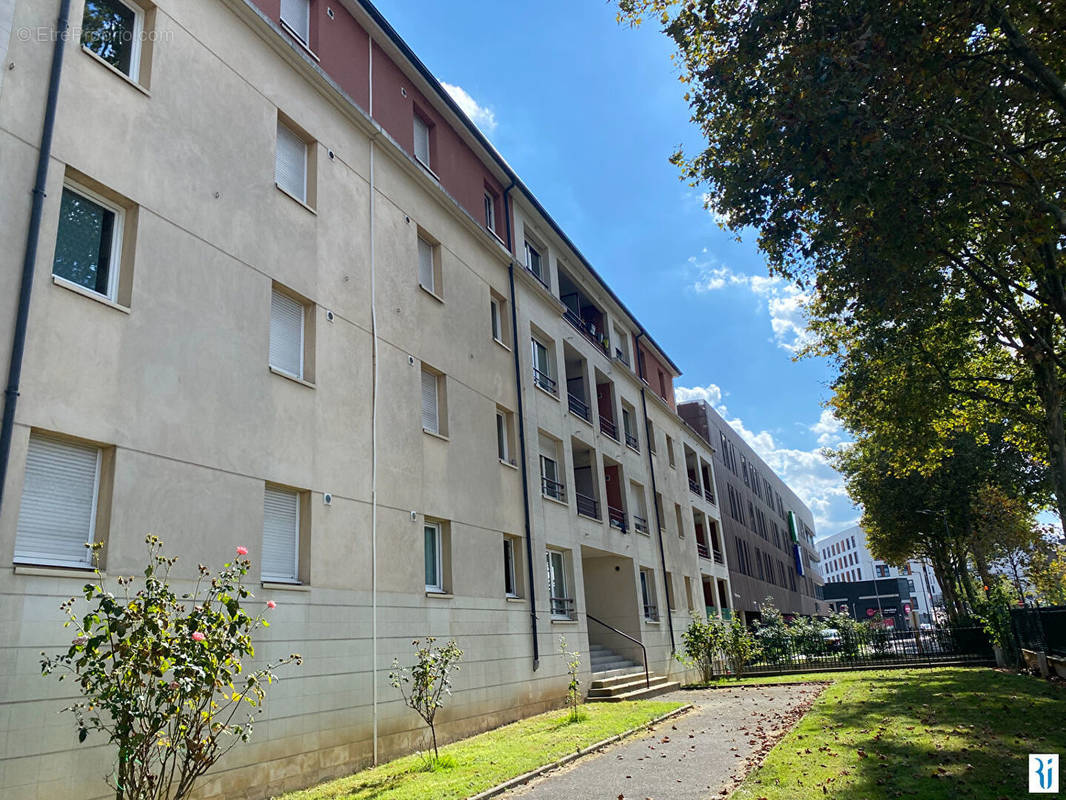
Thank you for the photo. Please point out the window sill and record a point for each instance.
(515, 599)
(431, 293)
(299, 41)
(510, 464)
(435, 435)
(284, 586)
(555, 500)
(438, 595)
(501, 344)
(99, 298)
(653, 621)
(496, 236)
(295, 199)
(116, 71)
(283, 374)
(634, 449)
(563, 621)
(427, 168)
(45, 571)
(554, 397)
(590, 518)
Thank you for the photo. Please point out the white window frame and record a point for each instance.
(290, 131)
(490, 211)
(436, 376)
(135, 51)
(503, 436)
(295, 577)
(438, 586)
(648, 595)
(532, 249)
(496, 316)
(291, 25)
(275, 291)
(44, 558)
(545, 367)
(422, 127)
(544, 461)
(510, 572)
(115, 262)
(426, 245)
(557, 580)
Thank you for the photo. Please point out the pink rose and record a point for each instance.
(242, 551)
(80, 639)
(271, 604)
(198, 637)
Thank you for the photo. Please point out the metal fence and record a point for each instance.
(1042, 630)
(864, 648)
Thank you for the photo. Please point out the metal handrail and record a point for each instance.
(608, 427)
(703, 550)
(621, 356)
(640, 524)
(553, 489)
(651, 612)
(617, 518)
(694, 487)
(647, 679)
(587, 506)
(579, 407)
(632, 441)
(710, 496)
(545, 382)
(718, 557)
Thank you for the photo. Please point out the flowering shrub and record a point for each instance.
(424, 685)
(163, 677)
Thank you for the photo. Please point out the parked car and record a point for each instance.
(831, 639)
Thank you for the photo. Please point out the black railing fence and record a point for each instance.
(1042, 630)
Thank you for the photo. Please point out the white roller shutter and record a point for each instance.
(430, 405)
(286, 334)
(58, 512)
(421, 141)
(297, 15)
(290, 165)
(281, 535)
(425, 264)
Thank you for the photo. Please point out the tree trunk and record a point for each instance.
(1049, 388)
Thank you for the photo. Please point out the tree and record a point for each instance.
(424, 685)
(701, 643)
(738, 644)
(905, 164)
(1047, 571)
(162, 676)
(573, 688)
(772, 633)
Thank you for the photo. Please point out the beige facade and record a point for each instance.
(170, 377)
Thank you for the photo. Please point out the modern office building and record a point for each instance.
(285, 295)
(768, 530)
(865, 599)
(846, 557)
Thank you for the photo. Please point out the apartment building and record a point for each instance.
(847, 559)
(768, 530)
(286, 296)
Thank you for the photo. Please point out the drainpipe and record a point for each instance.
(373, 422)
(22, 315)
(522, 438)
(655, 494)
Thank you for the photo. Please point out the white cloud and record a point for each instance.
(480, 115)
(717, 216)
(784, 301)
(807, 472)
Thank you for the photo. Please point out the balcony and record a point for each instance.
(545, 382)
(609, 428)
(640, 524)
(587, 506)
(579, 407)
(651, 612)
(709, 495)
(695, 488)
(553, 489)
(586, 329)
(718, 557)
(562, 607)
(703, 550)
(617, 518)
(632, 441)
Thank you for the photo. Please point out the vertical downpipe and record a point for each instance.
(655, 495)
(373, 428)
(33, 235)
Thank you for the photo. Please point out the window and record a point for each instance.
(670, 452)
(651, 436)
(640, 514)
(490, 211)
(113, 30)
(670, 592)
(429, 265)
(562, 605)
(688, 592)
(296, 14)
(881, 570)
(290, 163)
(289, 344)
(422, 141)
(550, 485)
(60, 493)
(629, 427)
(505, 435)
(499, 319)
(434, 557)
(621, 345)
(647, 595)
(433, 406)
(543, 367)
(680, 521)
(510, 572)
(88, 241)
(535, 263)
(281, 535)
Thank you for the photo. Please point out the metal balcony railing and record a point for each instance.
(694, 486)
(718, 557)
(640, 524)
(545, 382)
(608, 427)
(562, 607)
(586, 329)
(651, 612)
(703, 550)
(579, 407)
(587, 506)
(553, 489)
(617, 518)
(632, 441)
(709, 495)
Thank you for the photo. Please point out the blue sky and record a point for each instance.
(588, 112)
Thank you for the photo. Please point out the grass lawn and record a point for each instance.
(929, 734)
(490, 758)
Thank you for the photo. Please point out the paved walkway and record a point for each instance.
(703, 754)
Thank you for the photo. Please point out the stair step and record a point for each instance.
(638, 694)
(607, 681)
(626, 686)
(614, 663)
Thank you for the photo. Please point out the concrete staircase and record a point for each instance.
(615, 678)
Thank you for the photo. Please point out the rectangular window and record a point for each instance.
(535, 264)
(630, 428)
(281, 536)
(60, 492)
(680, 521)
(505, 435)
(670, 452)
(510, 574)
(287, 333)
(296, 14)
(647, 595)
(562, 605)
(670, 592)
(88, 241)
(490, 212)
(543, 368)
(290, 163)
(429, 265)
(422, 141)
(434, 557)
(113, 30)
(432, 402)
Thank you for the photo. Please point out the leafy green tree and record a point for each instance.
(701, 642)
(904, 163)
(772, 633)
(1047, 571)
(424, 685)
(165, 677)
(738, 644)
